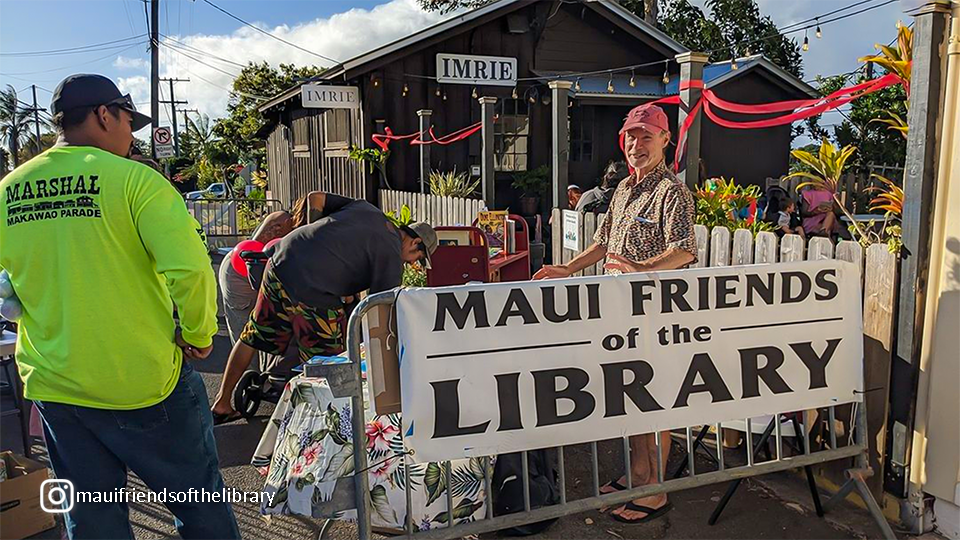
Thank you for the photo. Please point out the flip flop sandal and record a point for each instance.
(225, 418)
(615, 484)
(652, 513)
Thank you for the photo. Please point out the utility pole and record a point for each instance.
(154, 71)
(36, 117)
(184, 112)
(173, 112)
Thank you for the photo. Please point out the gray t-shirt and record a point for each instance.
(351, 248)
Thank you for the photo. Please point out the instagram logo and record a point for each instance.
(56, 496)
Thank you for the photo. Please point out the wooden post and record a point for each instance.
(919, 185)
(691, 69)
(560, 141)
(487, 173)
(424, 115)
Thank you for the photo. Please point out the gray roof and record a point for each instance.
(442, 27)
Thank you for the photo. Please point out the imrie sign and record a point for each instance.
(494, 368)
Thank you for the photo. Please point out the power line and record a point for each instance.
(202, 52)
(117, 43)
(195, 59)
(264, 32)
(102, 58)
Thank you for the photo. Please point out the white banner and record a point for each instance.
(477, 70)
(495, 368)
(319, 96)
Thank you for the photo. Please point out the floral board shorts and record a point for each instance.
(277, 319)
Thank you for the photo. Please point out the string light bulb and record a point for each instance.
(376, 82)
(406, 90)
(533, 95)
(514, 93)
(576, 87)
(473, 94)
(438, 92)
(819, 33)
(666, 74)
(610, 83)
(444, 95)
(806, 43)
(633, 80)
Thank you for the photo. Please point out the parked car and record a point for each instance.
(213, 191)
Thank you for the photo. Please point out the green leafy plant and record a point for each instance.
(414, 275)
(400, 218)
(826, 167)
(452, 184)
(375, 158)
(532, 183)
(722, 203)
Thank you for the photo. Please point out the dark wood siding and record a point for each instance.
(747, 155)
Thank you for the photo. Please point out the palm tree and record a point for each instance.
(14, 123)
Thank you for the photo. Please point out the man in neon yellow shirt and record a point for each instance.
(99, 249)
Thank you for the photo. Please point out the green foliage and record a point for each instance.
(15, 122)
(825, 166)
(721, 203)
(375, 158)
(532, 183)
(401, 218)
(414, 275)
(452, 184)
(730, 23)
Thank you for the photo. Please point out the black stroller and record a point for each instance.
(267, 383)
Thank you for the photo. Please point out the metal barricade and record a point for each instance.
(348, 376)
(230, 218)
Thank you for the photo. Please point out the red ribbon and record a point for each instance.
(383, 140)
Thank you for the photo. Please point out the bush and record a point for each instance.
(452, 184)
(722, 203)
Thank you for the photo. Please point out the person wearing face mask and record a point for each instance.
(100, 249)
(648, 227)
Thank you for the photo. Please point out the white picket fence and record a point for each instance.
(437, 211)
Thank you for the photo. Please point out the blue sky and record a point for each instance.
(335, 28)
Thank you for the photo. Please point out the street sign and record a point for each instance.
(163, 142)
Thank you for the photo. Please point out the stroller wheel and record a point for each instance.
(247, 394)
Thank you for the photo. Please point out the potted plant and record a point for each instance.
(452, 184)
(531, 185)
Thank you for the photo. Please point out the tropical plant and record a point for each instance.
(532, 183)
(896, 61)
(14, 123)
(400, 218)
(722, 203)
(375, 158)
(452, 184)
(890, 199)
(826, 167)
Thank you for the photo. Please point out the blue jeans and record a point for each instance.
(169, 446)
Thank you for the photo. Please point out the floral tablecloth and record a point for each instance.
(308, 445)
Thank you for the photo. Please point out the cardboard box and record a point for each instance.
(383, 361)
(20, 512)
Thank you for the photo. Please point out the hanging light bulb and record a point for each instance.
(406, 90)
(533, 95)
(438, 91)
(474, 93)
(444, 95)
(376, 82)
(666, 74)
(576, 87)
(633, 80)
(514, 93)
(806, 43)
(819, 33)
(610, 83)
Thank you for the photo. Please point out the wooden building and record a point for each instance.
(585, 43)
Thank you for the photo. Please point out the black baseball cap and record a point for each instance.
(88, 90)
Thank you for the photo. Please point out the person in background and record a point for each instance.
(597, 200)
(817, 208)
(98, 271)
(788, 222)
(649, 227)
(573, 195)
(351, 248)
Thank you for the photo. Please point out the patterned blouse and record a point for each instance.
(648, 217)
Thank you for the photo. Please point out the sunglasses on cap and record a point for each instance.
(125, 102)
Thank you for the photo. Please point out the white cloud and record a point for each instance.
(124, 62)
(341, 36)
